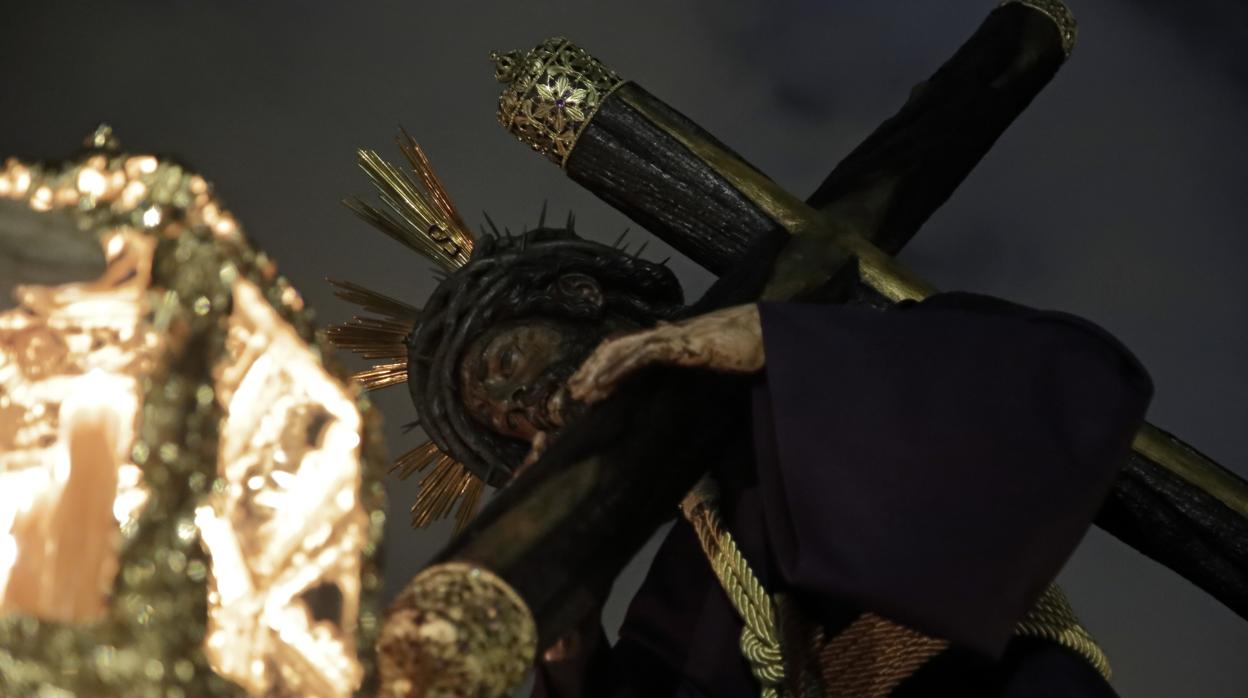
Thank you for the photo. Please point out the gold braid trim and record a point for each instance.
(760, 638)
(871, 656)
(1053, 619)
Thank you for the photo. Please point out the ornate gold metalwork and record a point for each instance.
(115, 375)
(456, 630)
(1062, 17)
(552, 93)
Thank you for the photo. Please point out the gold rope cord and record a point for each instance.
(760, 643)
(1053, 619)
(871, 656)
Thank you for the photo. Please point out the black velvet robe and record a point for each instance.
(936, 464)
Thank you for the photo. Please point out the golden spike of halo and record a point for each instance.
(371, 338)
(373, 301)
(468, 504)
(430, 484)
(446, 494)
(443, 487)
(419, 215)
(382, 338)
(457, 495)
(448, 484)
(416, 460)
(383, 375)
(420, 164)
(434, 487)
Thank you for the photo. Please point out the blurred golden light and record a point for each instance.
(286, 521)
(187, 505)
(71, 385)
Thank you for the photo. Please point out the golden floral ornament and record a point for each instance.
(190, 497)
(552, 93)
(560, 103)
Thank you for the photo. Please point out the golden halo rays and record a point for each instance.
(416, 211)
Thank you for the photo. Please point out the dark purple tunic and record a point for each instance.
(936, 463)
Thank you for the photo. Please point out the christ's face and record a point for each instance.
(509, 376)
(512, 376)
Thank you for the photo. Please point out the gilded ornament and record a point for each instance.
(457, 630)
(552, 93)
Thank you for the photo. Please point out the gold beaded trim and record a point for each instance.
(1061, 15)
(456, 630)
(552, 93)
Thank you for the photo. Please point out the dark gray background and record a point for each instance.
(1119, 195)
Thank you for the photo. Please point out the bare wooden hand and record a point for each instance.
(728, 340)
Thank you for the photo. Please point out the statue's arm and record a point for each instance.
(728, 341)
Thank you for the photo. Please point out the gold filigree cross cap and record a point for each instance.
(552, 93)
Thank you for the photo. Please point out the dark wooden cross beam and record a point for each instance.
(560, 534)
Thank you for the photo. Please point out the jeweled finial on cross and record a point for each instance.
(552, 92)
